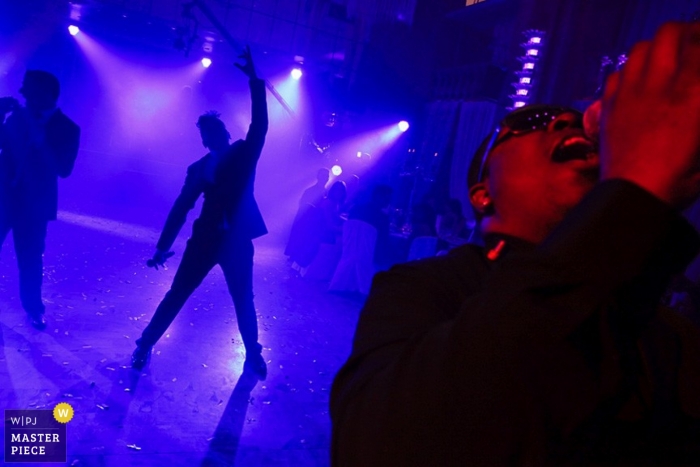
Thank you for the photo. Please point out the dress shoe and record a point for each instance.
(255, 363)
(37, 321)
(140, 357)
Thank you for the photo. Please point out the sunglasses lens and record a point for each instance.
(532, 118)
(521, 121)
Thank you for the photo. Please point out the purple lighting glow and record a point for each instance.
(73, 30)
(403, 125)
(296, 73)
(206, 62)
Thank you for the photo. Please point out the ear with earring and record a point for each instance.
(479, 197)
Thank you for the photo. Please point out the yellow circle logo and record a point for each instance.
(63, 413)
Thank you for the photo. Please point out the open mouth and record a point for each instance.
(575, 148)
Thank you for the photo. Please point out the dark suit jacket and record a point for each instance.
(549, 355)
(229, 204)
(34, 191)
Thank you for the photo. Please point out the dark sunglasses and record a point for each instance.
(520, 122)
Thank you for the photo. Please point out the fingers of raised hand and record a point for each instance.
(611, 86)
(667, 65)
(630, 77)
(662, 60)
(688, 74)
(591, 119)
(245, 54)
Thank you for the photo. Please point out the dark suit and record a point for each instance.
(555, 354)
(223, 232)
(29, 171)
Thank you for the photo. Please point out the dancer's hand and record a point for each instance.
(247, 66)
(159, 259)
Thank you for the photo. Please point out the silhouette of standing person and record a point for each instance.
(39, 144)
(223, 232)
(298, 242)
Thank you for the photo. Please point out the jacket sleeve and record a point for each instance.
(521, 352)
(255, 138)
(183, 204)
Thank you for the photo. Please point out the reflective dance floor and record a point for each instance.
(192, 405)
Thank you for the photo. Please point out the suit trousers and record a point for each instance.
(29, 236)
(235, 256)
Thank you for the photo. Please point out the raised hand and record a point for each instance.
(247, 66)
(159, 258)
(650, 125)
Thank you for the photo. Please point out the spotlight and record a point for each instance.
(336, 170)
(521, 92)
(525, 80)
(73, 30)
(206, 62)
(296, 73)
(535, 40)
(403, 125)
(532, 52)
(519, 104)
(528, 66)
(359, 154)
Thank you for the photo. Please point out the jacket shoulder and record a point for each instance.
(461, 271)
(196, 165)
(63, 120)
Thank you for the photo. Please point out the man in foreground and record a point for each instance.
(547, 346)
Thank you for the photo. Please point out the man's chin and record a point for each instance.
(591, 175)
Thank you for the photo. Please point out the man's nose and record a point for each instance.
(564, 121)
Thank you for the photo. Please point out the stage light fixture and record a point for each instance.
(336, 170)
(296, 73)
(403, 125)
(359, 154)
(73, 30)
(206, 62)
(532, 49)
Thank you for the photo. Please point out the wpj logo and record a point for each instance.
(37, 435)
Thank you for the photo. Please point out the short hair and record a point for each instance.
(209, 117)
(43, 80)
